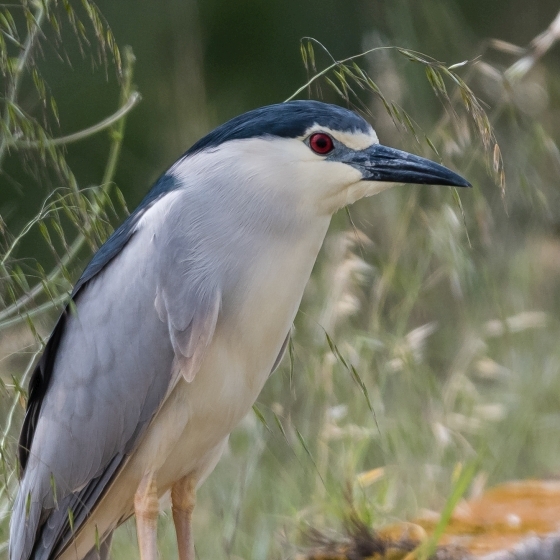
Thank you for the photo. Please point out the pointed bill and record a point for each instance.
(381, 163)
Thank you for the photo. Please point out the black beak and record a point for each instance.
(380, 163)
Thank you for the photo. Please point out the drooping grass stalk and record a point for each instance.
(335, 64)
(128, 98)
(129, 104)
(18, 73)
(5, 504)
(34, 312)
(70, 199)
(117, 132)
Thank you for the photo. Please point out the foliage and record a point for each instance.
(71, 219)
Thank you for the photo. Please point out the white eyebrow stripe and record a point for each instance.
(355, 140)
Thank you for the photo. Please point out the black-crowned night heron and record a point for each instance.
(180, 318)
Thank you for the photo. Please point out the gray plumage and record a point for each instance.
(169, 299)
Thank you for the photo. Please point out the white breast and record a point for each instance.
(197, 417)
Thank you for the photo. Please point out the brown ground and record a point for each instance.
(509, 516)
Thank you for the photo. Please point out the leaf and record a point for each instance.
(428, 548)
(27, 504)
(432, 146)
(54, 109)
(39, 85)
(311, 53)
(303, 52)
(53, 489)
(335, 87)
(280, 427)
(460, 205)
(436, 81)
(412, 56)
(410, 125)
(365, 392)
(335, 351)
(496, 158)
(261, 418)
(396, 113)
(458, 65)
(304, 445)
(292, 359)
(355, 375)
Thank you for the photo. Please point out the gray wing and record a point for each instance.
(111, 370)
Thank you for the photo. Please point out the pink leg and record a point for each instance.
(183, 499)
(146, 509)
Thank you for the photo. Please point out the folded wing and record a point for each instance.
(143, 311)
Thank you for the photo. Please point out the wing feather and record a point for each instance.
(40, 379)
(106, 371)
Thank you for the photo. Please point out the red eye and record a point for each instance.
(321, 143)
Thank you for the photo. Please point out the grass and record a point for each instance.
(428, 335)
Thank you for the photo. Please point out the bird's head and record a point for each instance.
(323, 156)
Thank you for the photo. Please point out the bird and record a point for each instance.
(180, 318)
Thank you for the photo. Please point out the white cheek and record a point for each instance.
(330, 182)
(331, 202)
(366, 188)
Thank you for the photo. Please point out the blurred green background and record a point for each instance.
(452, 322)
(199, 64)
